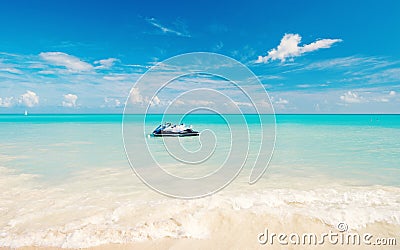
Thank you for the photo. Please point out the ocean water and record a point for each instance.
(66, 181)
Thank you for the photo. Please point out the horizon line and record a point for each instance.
(34, 114)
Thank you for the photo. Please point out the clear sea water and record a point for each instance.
(65, 177)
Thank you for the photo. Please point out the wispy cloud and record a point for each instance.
(167, 30)
(368, 63)
(107, 89)
(9, 68)
(303, 86)
(342, 62)
(370, 76)
(58, 77)
(350, 72)
(72, 63)
(289, 48)
(388, 75)
(105, 63)
(114, 77)
(196, 102)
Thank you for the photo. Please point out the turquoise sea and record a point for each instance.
(66, 180)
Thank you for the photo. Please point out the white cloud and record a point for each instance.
(282, 101)
(193, 102)
(117, 102)
(155, 101)
(392, 93)
(351, 97)
(303, 85)
(135, 96)
(6, 102)
(200, 102)
(69, 100)
(105, 63)
(11, 70)
(72, 63)
(139, 65)
(350, 61)
(166, 30)
(29, 99)
(388, 75)
(114, 78)
(179, 102)
(46, 72)
(289, 48)
(383, 100)
(112, 102)
(368, 97)
(265, 103)
(247, 104)
(7, 67)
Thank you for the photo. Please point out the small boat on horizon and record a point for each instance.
(173, 130)
(26, 113)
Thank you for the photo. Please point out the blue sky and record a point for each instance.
(85, 56)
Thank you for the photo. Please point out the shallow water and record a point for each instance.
(66, 181)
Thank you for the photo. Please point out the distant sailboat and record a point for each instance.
(26, 112)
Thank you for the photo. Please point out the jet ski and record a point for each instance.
(173, 130)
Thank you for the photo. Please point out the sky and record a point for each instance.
(310, 56)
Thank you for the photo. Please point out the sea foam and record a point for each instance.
(69, 217)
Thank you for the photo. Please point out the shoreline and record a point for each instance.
(119, 218)
(224, 236)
